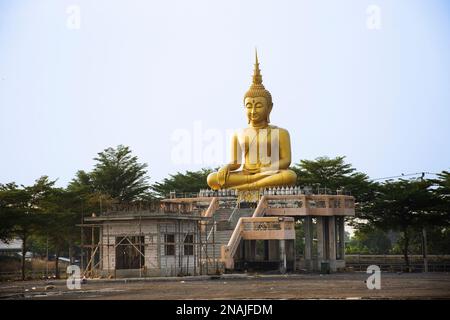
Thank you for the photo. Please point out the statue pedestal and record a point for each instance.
(248, 196)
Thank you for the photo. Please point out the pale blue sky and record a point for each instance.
(136, 71)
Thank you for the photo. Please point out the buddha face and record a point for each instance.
(257, 110)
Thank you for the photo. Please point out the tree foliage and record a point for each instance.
(117, 175)
(369, 240)
(191, 181)
(21, 211)
(334, 174)
(406, 206)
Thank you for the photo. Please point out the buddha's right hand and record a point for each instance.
(223, 174)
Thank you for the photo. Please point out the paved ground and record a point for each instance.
(307, 286)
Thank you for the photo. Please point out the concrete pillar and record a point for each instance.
(247, 250)
(102, 250)
(241, 250)
(274, 250)
(253, 250)
(320, 242)
(342, 238)
(326, 242)
(332, 243)
(283, 262)
(340, 246)
(308, 230)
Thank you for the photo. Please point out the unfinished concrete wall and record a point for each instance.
(178, 261)
(111, 230)
(156, 262)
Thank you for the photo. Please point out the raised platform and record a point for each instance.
(221, 230)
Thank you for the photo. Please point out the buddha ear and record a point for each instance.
(268, 114)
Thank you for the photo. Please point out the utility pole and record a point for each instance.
(82, 240)
(424, 249)
(46, 266)
(424, 241)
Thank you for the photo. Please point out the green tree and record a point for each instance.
(334, 174)
(405, 206)
(9, 195)
(438, 240)
(59, 218)
(82, 183)
(191, 181)
(117, 174)
(369, 240)
(20, 211)
(442, 192)
(88, 199)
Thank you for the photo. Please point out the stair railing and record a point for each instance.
(261, 208)
(228, 251)
(233, 212)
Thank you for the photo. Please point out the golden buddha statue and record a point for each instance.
(266, 149)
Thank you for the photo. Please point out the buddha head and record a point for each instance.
(257, 100)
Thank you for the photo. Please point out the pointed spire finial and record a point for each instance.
(257, 77)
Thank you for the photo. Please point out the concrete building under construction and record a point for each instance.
(214, 232)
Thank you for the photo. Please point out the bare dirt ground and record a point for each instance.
(305, 286)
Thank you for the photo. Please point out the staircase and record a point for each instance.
(224, 230)
(234, 224)
(220, 238)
